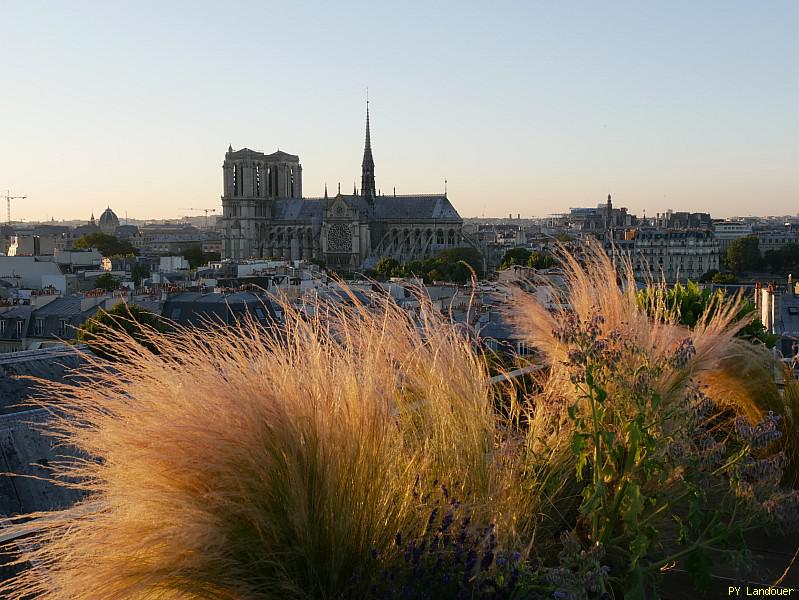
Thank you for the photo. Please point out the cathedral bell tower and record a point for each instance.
(368, 165)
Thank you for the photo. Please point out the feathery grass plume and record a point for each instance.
(239, 464)
(596, 286)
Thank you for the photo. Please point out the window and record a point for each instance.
(62, 327)
(39, 327)
(235, 180)
(269, 181)
(20, 328)
(291, 179)
(257, 180)
(2, 327)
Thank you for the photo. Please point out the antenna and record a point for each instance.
(9, 198)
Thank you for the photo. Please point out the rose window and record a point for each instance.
(339, 238)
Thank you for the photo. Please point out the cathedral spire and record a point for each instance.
(368, 165)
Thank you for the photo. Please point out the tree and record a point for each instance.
(515, 256)
(387, 266)
(196, 257)
(743, 255)
(106, 282)
(539, 260)
(455, 264)
(723, 278)
(139, 272)
(469, 256)
(107, 245)
(101, 332)
(194, 254)
(783, 259)
(708, 276)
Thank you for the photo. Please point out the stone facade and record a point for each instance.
(264, 215)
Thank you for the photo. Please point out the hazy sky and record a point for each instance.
(525, 107)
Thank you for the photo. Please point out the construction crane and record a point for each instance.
(202, 210)
(9, 198)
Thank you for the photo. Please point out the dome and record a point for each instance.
(108, 221)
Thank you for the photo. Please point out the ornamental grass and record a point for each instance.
(362, 453)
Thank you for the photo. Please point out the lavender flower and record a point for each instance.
(684, 352)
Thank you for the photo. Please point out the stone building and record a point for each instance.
(109, 222)
(265, 215)
(674, 254)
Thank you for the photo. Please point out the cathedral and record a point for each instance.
(265, 215)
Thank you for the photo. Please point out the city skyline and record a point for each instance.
(523, 110)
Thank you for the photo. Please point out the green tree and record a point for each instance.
(107, 245)
(387, 266)
(138, 273)
(708, 276)
(515, 256)
(194, 254)
(100, 332)
(743, 255)
(106, 282)
(196, 257)
(539, 260)
(469, 256)
(783, 259)
(724, 278)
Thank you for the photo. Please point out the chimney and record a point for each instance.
(90, 301)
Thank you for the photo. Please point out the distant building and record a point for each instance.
(676, 255)
(108, 222)
(775, 239)
(682, 220)
(728, 231)
(32, 245)
(208, 310)
(265, 215)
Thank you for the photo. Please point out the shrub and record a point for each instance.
(105, 331)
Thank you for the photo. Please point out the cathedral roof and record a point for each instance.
(297, 209)
(389, 208)
(414, 208)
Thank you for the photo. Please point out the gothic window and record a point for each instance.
(269, 181)
(235, 180)
(440, 237)
(451, 237)
(339, 238)
(291, 180)
(257, 180)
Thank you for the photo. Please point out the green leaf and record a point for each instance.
(634, 585)
(698, 565)
(633, 506)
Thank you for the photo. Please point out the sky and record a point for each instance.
(523, 107)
